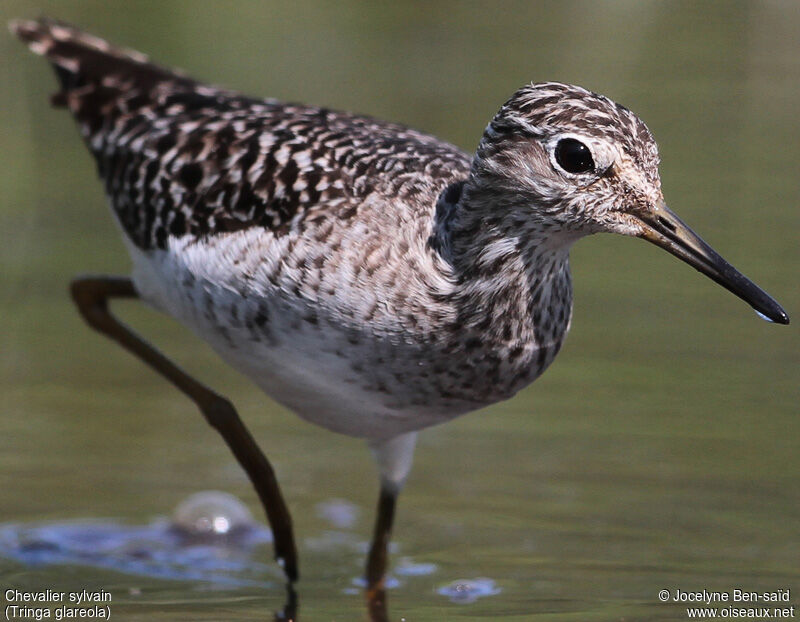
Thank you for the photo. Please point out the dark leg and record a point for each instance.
(92, 294)
(378, 553)
(289, 611)
(377, 609)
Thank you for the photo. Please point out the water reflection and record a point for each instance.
(340, 513)
(407, 567)
(212, 537)
(469, 590)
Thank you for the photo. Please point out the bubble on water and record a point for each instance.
(210, 514)
(469, 590)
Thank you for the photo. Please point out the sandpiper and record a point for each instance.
(372, 278)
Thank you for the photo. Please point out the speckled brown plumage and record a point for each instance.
(179, 158)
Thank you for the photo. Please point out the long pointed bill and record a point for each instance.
(663, 228)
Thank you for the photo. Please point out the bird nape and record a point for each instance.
(374, 279)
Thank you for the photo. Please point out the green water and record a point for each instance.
(660, 451)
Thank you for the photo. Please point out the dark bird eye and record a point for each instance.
(573, 156)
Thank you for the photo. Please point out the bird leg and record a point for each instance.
(379, 553)
(289, 611)
(394, 457)
(91, 295)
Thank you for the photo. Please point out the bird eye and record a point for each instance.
(573, 156)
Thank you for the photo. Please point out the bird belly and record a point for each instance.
(351, 384)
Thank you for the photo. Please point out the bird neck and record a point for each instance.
(486, 231)
(511, 268)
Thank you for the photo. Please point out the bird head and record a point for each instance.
(572, 163)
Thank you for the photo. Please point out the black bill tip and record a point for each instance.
(663, 228)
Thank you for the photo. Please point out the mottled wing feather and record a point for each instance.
(179, 157)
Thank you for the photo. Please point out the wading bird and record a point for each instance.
(372, 278)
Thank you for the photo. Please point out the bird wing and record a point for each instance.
(182, 158)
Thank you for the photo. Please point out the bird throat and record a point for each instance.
(514, 289)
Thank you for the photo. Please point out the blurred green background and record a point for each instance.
(661, 450)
